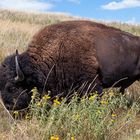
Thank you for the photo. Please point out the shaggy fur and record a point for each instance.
(69, 55)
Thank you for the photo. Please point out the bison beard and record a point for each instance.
(70, 56)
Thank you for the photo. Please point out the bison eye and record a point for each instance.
(4, 65)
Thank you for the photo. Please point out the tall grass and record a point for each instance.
(17, 28)
(134, 29)
(87, 119)
(34, 18)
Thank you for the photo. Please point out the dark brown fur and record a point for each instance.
(66, 55)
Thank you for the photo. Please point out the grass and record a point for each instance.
(17, 28)
(87, 119)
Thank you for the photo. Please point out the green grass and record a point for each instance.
(87, 119)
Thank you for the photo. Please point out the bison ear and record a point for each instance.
(20, 75)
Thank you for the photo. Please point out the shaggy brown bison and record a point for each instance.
(73, 55)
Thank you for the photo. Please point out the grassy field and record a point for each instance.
(90, 119)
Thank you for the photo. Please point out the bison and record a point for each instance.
(67, 56)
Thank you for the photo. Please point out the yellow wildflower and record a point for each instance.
(33, 97)
(34, 90)
(56, 102)
(72, 138)
(93, 97)
(112, 121)
(39, 104)
(54, 138)
(103, 102)
(113, 115)
(46, 97)
(16, 113)
(111, 93)
(76, 117)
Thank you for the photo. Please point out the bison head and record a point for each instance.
(14, 92)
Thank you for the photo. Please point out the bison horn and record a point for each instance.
(20, 75)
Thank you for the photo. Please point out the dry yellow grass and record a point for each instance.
(15, 35)
(17, 28)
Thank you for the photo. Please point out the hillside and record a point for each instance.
(112, 119)
(17, 28)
